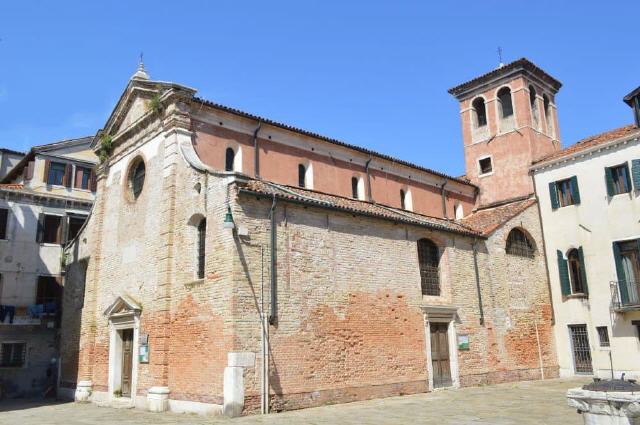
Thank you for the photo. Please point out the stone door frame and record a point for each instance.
(442, 314)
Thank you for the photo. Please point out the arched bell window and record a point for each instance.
(505, 105)
(480, 112)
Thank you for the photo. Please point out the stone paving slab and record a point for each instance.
(522, 403)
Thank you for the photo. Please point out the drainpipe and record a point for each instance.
(475, 268)
(444, 200)
(273, 312)
(256, 153)
(544, 249)
(366, 170)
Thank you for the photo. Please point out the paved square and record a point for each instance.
(519, 403)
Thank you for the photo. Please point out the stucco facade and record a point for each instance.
(596, 223)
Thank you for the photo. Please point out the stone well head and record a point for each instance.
(614, 402)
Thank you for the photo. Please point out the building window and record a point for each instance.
(403, 196)
(480, 112)
(618, 179)
(12, 354)
(505, 107)
(576, 272)
(136, 177)
(49, 292)
(564, 192)
(533, 101)
(202, 235)
(547, 113)
(4, 221)
(49, 229)
(485, 166)
(627, 262)
(229, 159)
(83, 178)
(519, 244)
(354, 187)
(74, 225)
(56, 173)
(429, 259)
(302, 175)
(603, 336)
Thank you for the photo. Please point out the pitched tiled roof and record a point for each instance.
(353, 206)
(330, 140)
(486, 220)
(12, 186)
(592, 141)
(522, 63)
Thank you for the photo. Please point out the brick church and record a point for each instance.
(234, 264)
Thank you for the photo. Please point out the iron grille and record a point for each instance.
(519, 244)
(429, 259)
(603, 336)
(625, 295)
(12, 354)
(581, 349)
(202, 234)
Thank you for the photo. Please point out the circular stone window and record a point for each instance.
(136, 177)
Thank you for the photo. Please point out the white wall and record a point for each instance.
(594, 224)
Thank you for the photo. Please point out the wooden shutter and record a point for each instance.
(553, 193)
(575, 191)
(628, 176)
(30, 167)
(563, 270)
(635, 173)
(68, 172)
(622, 281)
(40, 231)
(93, 184)
(45, 177)
(583, 271)
(608, 178)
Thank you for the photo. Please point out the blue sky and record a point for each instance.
(371, 73)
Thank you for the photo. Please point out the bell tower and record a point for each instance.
(509, 120)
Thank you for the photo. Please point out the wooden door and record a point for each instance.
(127, 362)
(440, 355)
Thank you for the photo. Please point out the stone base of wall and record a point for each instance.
(296, 401)
(501, 376)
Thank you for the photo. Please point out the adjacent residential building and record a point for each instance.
(235, 263)
(589, 203)
(44, 201)
(8, 159)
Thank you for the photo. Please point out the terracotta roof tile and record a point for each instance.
(592, 141)
(325, 200)
(12, 186)
(487, 220)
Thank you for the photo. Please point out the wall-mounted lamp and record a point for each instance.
(228, 220)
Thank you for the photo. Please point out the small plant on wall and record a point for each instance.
(106, 148)
(155, 105)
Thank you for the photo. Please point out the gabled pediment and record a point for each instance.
(123, 305)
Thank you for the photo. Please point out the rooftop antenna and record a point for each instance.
(500, 64)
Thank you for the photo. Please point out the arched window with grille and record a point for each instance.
(429, 259)
(229, 159)
(505, 104)
(201, 248)
(480, 112)
(518, 243)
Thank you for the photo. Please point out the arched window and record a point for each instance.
(354, 187)
(429, 259)
(533, 101)
(547, 113)
(504, 102)
(480, 112)
(302, 175)
(459, 212)
(403, 200)
(136, 178)
(229, 159)
(518, 243)
(575, 272)
(202, 234)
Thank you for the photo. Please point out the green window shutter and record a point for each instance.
(575, 191)
(608, 177)
(622, 281)
(553, 193)
(563, 269)
(635, 173)
(583, 271)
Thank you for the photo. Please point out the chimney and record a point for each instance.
(633, 100)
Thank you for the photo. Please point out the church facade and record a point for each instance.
(233, 264)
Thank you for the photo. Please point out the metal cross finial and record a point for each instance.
(500, 64)
(141, 63)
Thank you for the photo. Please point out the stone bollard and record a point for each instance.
(158, 399)
(83, 391)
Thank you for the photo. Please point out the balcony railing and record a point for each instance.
(625, 296)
